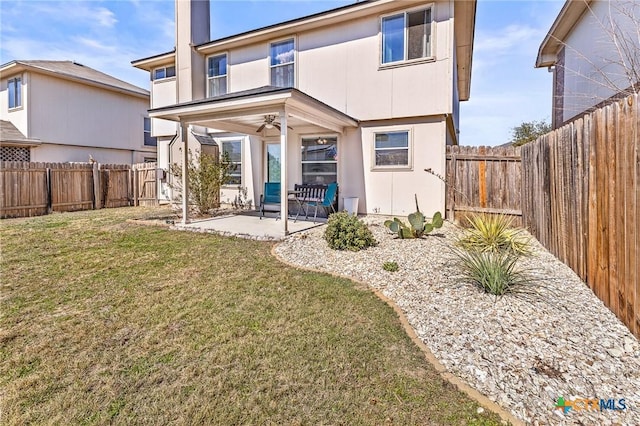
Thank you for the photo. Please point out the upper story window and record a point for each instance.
(282, 63)
(217, 75)
(392, 150)
(164, 72)
(406, 36)
(148, 139)
(15, 92)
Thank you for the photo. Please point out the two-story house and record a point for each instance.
(593, 49)
(365, 95)
(60, 111)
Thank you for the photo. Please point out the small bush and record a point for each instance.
(493, 233)
(390, 266)
(346, 232)
(493, 272)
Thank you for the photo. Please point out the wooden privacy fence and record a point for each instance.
(483, 180)
(581, 200)
(34, 189)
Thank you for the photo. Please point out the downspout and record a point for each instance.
(451, 128)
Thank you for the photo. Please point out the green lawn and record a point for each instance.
(108, 322)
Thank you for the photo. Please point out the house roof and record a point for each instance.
(9, 134)
(464, 15)
(554, 40)
(243, 112)
(74, 71)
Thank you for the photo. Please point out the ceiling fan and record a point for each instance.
(269, 123)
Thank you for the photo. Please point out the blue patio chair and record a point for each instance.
(271, 196)
(327, 202)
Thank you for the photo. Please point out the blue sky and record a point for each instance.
(107, 35)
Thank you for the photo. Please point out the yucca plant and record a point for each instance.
(494, 272)
(493, 233)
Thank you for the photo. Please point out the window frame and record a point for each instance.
(336, 161)
(221, 142)
(292, 38)
(150, 131)
(164, 67)
(17, 93)
(226, 72)
(393, 167)
(405, 61)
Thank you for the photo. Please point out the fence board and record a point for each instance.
(34, 189)
(483, 180)
(580, 189)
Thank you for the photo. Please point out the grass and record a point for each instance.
(105, 322)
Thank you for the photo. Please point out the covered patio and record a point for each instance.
(252, 113)
(248, 225)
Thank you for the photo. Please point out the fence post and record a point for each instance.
(136, 188)
(97, 199)
(49, 195)
(452, 187)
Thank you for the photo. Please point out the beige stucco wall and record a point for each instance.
(70, 113)
(340, 65)
(592, 70)
(163, 93)
(66, 153)
(18, 116)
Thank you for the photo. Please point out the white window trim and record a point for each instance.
(295, 58)
(153, 73)
(242, 140)
(338, 147)
(19, 107)
(393, 168)
(405, 62)
(206, 70)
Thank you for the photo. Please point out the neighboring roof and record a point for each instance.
(71, 70)
(565, 21)
(9, 134)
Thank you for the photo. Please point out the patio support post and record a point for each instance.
(184, 131)
(284, 197)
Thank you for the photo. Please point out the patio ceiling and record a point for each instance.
(244, 112)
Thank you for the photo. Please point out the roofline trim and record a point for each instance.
(21, 65)
(565, 21)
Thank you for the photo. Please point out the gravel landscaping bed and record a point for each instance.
(522, 351)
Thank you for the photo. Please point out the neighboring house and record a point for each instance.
(366, 95)
(60, 111)
(593, 48)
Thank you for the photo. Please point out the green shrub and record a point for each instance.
(493, 272)
(206, 175)
(390, 266)
(493, 233)
(346, 232)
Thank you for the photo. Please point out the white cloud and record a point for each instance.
(511, 39)
(105, 17)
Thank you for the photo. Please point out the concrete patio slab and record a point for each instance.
(249, 225)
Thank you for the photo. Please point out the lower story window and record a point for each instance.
(320, 160)
(232, 151)
(391, 149)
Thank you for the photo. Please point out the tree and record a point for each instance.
(207, 174)
(529, 131)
